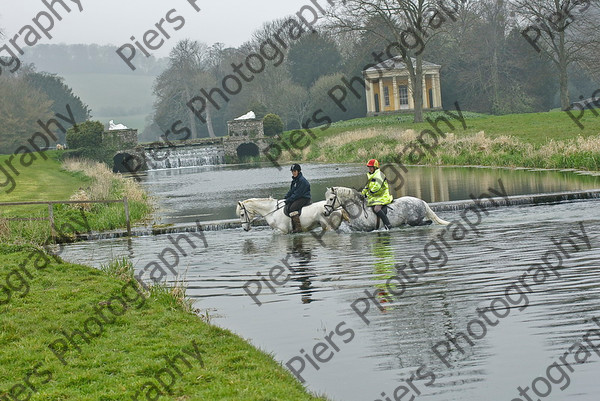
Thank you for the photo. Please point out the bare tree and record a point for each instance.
(296, 102)
(188, 62)
(409, 23)
(563, 30)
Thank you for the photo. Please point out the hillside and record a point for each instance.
(539, 140)
(125, 98)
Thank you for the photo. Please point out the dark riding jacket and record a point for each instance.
(300, 188)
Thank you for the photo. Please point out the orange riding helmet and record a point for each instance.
(373, 163)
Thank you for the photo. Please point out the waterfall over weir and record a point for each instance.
(188, 156)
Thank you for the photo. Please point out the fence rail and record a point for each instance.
(51, 204)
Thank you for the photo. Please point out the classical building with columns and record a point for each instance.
(389, 89)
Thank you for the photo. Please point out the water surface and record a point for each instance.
(211, 193)
(332, 272)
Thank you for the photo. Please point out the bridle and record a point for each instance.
(330, 208)
(247, 214)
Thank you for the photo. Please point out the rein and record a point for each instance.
(248, 221)
(276, 208)
(331, 207)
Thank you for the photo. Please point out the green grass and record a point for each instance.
(129, 350)
(46, 180)
(43, 180)
(535, 128)
(541, 140)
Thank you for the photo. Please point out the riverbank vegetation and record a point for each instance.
(72, 332)
(51, 180)
(536, 140)
(127, 343)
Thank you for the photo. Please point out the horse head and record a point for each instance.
(331, 201)
(245, 216)
(349, 199)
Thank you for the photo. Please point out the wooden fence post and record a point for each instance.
(51, 219)
(126, 204)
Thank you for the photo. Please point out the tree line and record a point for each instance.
(27, 97)
(497, 56)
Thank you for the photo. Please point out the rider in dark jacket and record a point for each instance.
(297, 197)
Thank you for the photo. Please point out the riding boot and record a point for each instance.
(384, 218)
(296, 225)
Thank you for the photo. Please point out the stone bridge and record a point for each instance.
(246, 139)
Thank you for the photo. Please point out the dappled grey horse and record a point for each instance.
(404, 210)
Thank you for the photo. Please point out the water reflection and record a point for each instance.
(384, 268)
(303, 272)
(210, 193)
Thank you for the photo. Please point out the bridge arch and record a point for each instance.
(248, 149)
(128, 162)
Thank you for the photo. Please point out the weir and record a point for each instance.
(189, 157)
(537, 199)
(554, 197)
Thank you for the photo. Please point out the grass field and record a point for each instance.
(44, 180)
(123, 355)
(49, 180)
(540, 140)
(70, 332)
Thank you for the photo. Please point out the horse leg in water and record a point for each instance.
(332, 222)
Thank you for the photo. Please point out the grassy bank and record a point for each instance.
(125, 353)
(537, 140)
(47, 180)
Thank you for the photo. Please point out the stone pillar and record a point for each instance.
(396, 94)
(411, 100)
(381, 99)
(434, 90)
(425, 91)
(369, 95)
(438, 92)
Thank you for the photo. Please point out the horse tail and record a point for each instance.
(431, 214)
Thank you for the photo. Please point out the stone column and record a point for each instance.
(434, 90)
(369, 95)
(411, 100)
(381, 99)
(396, 94)
(425, 91)
(438, 93)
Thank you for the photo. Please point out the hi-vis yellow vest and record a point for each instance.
(377, 190)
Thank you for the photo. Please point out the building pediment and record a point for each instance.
(396, 66)
(389, 88)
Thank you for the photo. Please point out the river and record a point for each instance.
(402, 346)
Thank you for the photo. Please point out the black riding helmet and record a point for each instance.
(296, 167)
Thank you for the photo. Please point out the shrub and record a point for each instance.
(85, 135)
(272, 125)
(86, 141)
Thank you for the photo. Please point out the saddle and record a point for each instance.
(300, 210)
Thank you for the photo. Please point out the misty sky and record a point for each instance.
(115, 21)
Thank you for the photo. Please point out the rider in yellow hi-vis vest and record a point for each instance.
(377, 191)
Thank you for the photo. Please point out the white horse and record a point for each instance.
(271, 209)
(404, 210)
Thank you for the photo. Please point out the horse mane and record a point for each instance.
(346, 191)
(251, 201)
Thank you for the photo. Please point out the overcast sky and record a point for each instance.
(115, 21)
